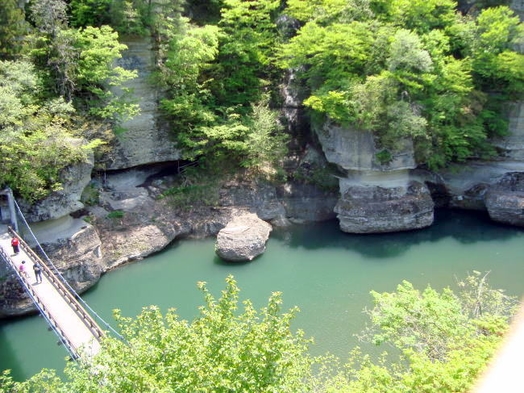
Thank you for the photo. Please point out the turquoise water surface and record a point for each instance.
(326, 273)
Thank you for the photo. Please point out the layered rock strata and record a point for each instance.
(143, 140)
(375, 197)
(377, 209)
(505, 200)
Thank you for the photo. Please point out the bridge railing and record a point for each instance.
(40, 305)
(71, 298)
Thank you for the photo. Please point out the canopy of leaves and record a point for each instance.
(229, 347)
(63, 80)
(207, 127)
(13, 27)
(444, 339)
(35, 141)
(441, 342)
(409, 69)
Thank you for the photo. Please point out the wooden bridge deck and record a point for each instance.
(65, 315)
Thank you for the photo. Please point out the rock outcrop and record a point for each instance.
(243, 239)
(375, 197)
(505, 200)
(281, 205)
(74, 247)
(376, 209)
(144, 139)
(66, 201)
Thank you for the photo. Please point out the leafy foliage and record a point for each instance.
(444, 339)
(93, 13)
(36, 143)
(409, 69)
(12, 29)
(223, 349)
(98, 49)
(441, 341)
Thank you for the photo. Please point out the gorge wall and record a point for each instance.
(129, 221)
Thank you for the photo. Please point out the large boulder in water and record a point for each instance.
(243, 238)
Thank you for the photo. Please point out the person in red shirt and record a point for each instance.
(15, 243)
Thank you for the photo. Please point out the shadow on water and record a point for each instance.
(219, 261)
(8, 356)
(462, 226)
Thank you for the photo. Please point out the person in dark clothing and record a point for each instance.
(15, 243)
(38, 272)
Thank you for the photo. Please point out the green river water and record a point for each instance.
(326, 273)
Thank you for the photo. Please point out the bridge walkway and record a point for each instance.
(58, 305)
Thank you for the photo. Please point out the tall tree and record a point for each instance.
(54, 52)
(13, 28)
(433, 82)
(36, 141)
(245, 62)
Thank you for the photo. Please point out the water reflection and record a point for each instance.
(464, 227)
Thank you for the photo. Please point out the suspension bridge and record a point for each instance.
(72, 320)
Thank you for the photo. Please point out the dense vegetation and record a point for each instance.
(397, 68)
(415, 69)
(53, 91)
(410, 69)
(441, 342)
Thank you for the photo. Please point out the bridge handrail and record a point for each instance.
(64, 281)
(40, 306)
(61, 288)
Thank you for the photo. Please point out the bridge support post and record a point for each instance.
(12, 210)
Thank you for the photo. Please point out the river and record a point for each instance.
(326, 273)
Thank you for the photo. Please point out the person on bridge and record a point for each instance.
(15, 243)
(23, 270)
(38, 272)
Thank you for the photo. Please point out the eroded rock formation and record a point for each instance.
(144, 140)
(375, 197)
(61, 203)
(376, 209)
(505, 199)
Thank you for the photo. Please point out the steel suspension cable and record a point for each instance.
(66, 283)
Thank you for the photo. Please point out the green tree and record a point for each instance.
(52, 48)
(409, 69)
(444, 339)
(205, 129)
(127, 17)
(326, 12)
(35, 138)
(224, 349)
(13, 28)
(245, 62)
(90, 13)
(266, 143)
(96, 74)
(496, 63)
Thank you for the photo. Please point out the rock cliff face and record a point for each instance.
(63, 202)
(144, 140)
(74, 246)
(518, 7)
(377, 209)
(375, 197)
(505, 199)
(130, 221)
